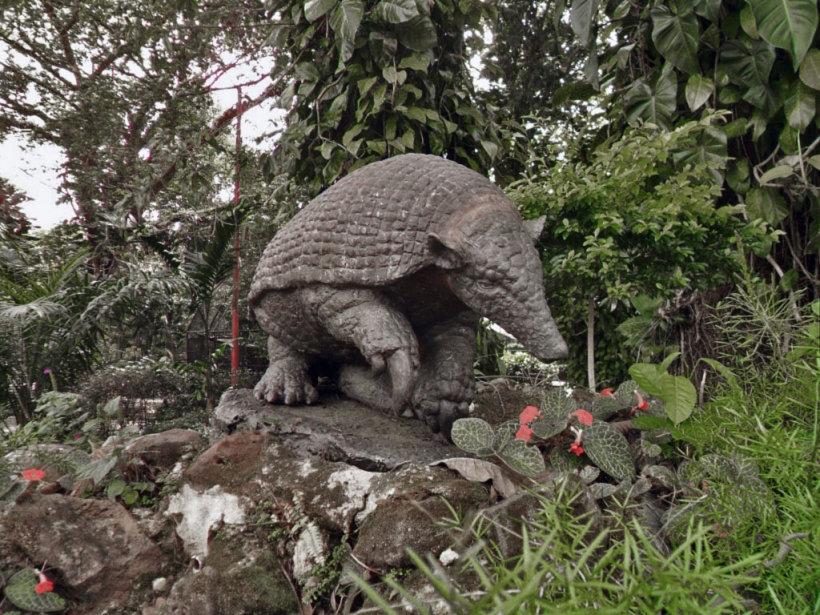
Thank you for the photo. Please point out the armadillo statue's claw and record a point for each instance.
(391, 269)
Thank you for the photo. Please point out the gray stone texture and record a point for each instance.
(384, 276)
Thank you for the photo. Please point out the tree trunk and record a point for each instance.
(591, 345)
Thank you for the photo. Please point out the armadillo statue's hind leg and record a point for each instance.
(286, 380)
(446, 380)
(383, 336)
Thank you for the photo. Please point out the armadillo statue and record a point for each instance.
(385, 276)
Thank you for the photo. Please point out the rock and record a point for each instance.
(506, 519)
(94, 546)
(408, 514)
(238, 577)
(163, 450)
(200, 512)
(231, 462)
(334, 429)
(159, 585)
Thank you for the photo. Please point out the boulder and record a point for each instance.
(335, 429)
(163, 450)
(92, 546)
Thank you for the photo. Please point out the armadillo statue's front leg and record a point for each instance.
(363, 318)
(286, 379)
(447, 379)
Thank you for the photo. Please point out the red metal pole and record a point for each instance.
(235, 303)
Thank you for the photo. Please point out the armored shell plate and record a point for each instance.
(372, 227)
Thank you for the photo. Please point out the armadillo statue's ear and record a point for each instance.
(534, 227)
(444, 251)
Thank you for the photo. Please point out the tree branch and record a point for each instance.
(274, 89)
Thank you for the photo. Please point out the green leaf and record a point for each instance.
(724, 371)
(112, 407)
(418, 34)
(334, 166)
(397, 11)
(676, 36)
(115, 488)
(583, 17)
(800, 106)
(664, 366)
(314, 9)
(814, 161)
(524, 459)
(504, 434)
(416, 61)
(648, 377)
(390, 74)
(97, 469)
(748, 64)
(748, 23)
(810, 69)
(710, 9)
(609, 450)
(305, 71)
(787, 24)
(473, 435)
(778, 172)
(646, 423)
(698, 91)
(352, 134)
(654, 101)
(605, 406)
(347, 17)
(21, 590)
(766, 204)
(364, 85)
(491, 148)
(417, 114)
(409, 138)
(679, 397)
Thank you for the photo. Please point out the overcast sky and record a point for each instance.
(35, 170)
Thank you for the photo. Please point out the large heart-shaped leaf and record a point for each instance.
(676, 36)
(582, 18)
(418, 34)
(653, 101)
(698, 91)
(346, 18)
(679, 397)
(787, 24)
(314, 9)
(800, 106)
(766, 204)
(810, 69)
(748, 64)
(397, 11)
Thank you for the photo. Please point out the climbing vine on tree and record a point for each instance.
(663, 62)
(366, 80)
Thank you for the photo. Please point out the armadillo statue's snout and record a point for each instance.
(386, 274)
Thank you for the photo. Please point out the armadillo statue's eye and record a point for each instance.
(483, 286)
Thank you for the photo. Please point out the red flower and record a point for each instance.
(529, 415)
(576, 448)
(33, 475)
(583, 416)
(524, 433)
(606, 393)
(642, 405)
(44, 586)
